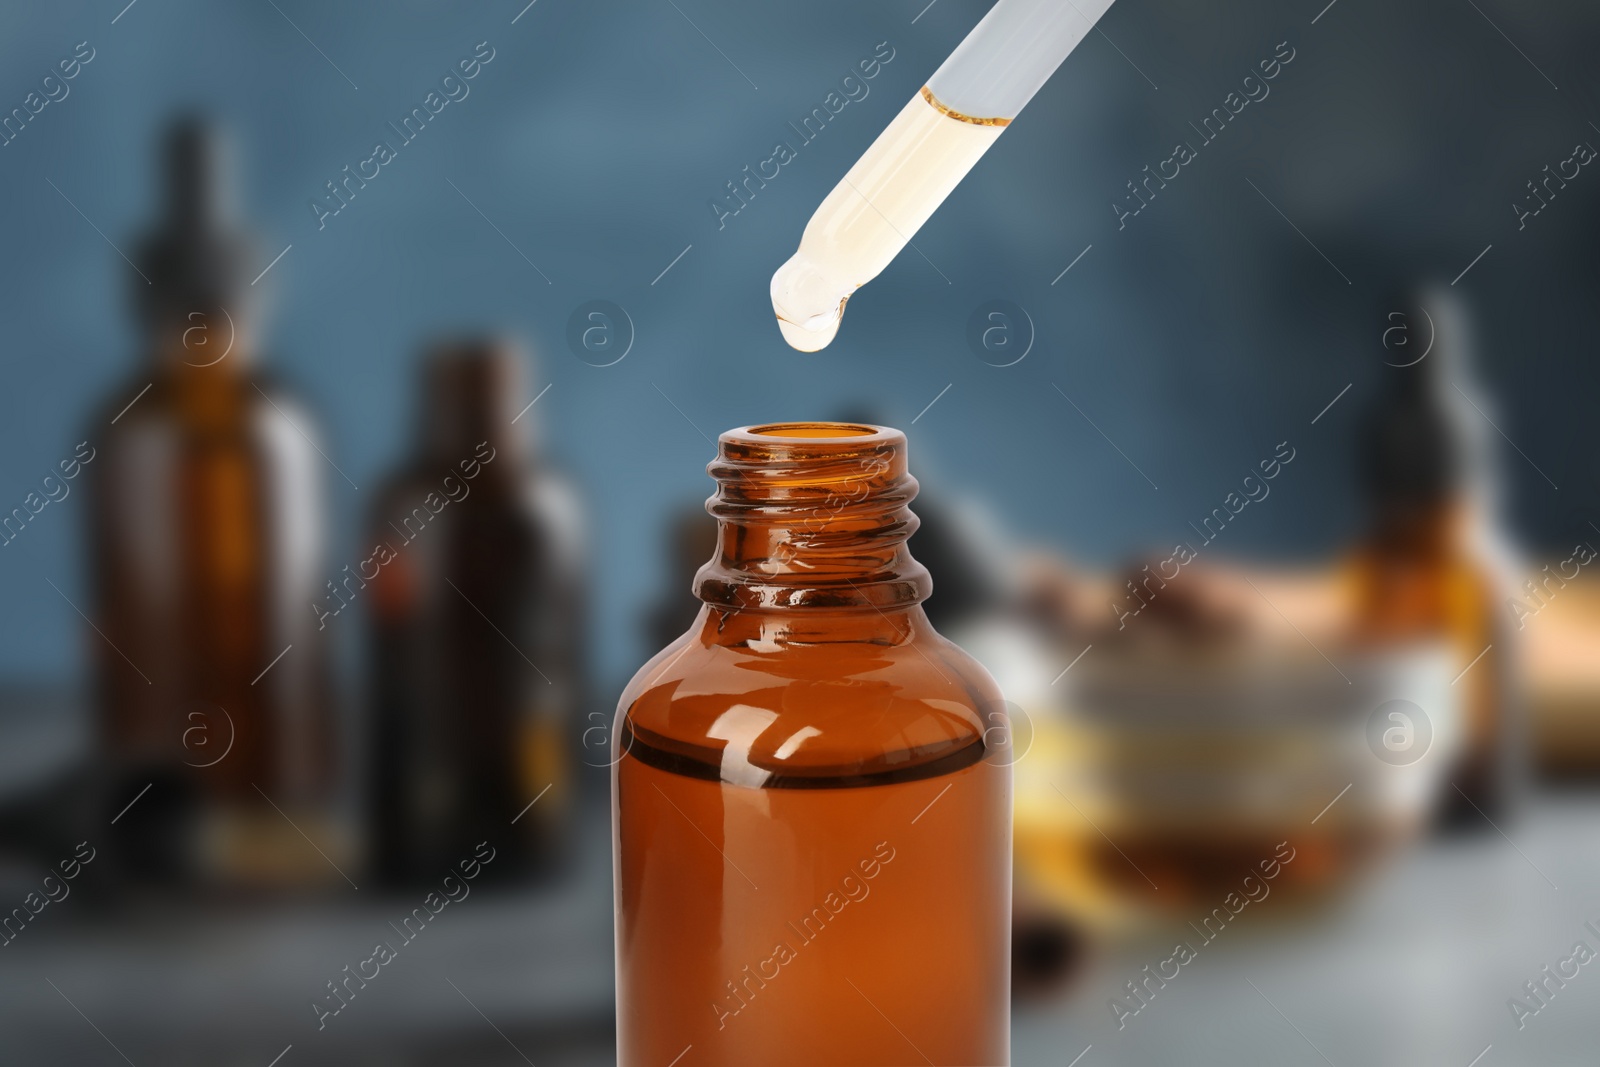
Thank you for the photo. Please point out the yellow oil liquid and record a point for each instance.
(873, 212)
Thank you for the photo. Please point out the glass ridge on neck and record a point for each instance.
(812, 515)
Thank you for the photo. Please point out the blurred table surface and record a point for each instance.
(1413, 967)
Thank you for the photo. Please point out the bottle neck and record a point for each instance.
(473, 406)
(198, 268)
(201, 347)
(502, 458)
(1421, 528)
(816, 627)
(812, 516)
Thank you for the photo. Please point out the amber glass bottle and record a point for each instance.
(812, 845)
(207, 533)
(1433, 565)
(474, 555)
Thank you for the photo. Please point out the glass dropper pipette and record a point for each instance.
(920, 157)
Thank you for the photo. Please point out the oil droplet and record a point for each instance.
(808, 303)
(803, 339)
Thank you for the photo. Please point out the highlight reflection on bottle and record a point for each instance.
(813, 856)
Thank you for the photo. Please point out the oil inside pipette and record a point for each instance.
(871, 214)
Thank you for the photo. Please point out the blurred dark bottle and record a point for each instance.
(478, 608)
(207, 554)
(1434, 564)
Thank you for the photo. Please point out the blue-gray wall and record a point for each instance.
(1196, 338)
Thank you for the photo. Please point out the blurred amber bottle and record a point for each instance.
(1433, 563)
(477, 662)
(812, 833)
(207, 544)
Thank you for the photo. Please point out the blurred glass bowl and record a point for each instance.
(1162, 776)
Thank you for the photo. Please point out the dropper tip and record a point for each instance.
(808, 340)
(808, 304)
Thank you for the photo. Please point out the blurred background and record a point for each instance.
(344, 488)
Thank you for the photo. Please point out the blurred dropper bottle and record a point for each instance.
(1433, 563)
(208, 520)
(474, 553)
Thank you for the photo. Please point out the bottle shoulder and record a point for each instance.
(160, 399)
(538, 508)
(842, 707)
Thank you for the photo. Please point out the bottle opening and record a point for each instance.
(814, 429)
(818, 454)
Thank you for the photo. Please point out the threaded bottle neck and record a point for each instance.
(812, 515)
